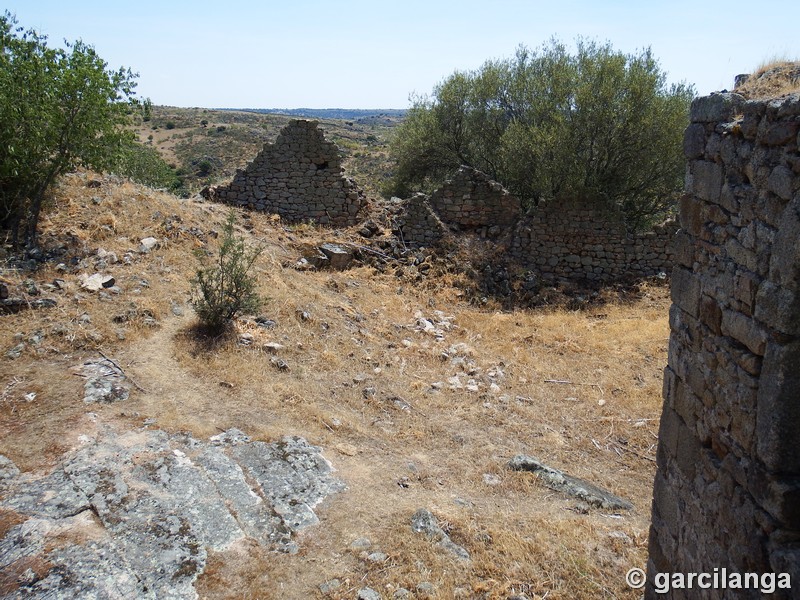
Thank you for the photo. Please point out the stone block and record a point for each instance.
(694, 141)
(716, 108)
(741, 256)
(784, 268)
(778, 134)
(689, 449)
(745, 287)
(782, 182)
(745, 330)
(710, 314)
(707, 180)
(685, 290)
(778, 307)
(683, 247)
(665, 502)
(778, 416)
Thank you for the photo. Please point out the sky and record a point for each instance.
(373, 54)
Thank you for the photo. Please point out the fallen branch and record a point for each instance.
(125, 375)
(565, 382)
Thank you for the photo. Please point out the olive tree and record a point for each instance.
(59, 109)
(596, 125)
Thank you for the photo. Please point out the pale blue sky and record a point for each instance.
(371, 54)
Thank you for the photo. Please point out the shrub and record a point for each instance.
(204, 168)
(145, 165)
(170, 125)
(227, 289)
(597, 125)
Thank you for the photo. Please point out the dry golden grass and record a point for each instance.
(772, 78)
(579, 390)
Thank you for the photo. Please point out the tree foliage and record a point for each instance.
(59, 109)
(226, 289)
(595, 125)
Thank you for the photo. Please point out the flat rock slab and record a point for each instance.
(339, 257)
(141, 509)
(572, 486)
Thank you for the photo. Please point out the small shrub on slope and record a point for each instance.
(227, 289)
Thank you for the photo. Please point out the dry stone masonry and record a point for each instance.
(471, 200)
(569, 240)
(574, 240)
(727, 489)
(299, 177)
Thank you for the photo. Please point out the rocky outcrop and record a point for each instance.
(299, 177)
(572, 486)
(142, 509)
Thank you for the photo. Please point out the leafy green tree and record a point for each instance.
(59, 108)
(595, 125)
(224, 290)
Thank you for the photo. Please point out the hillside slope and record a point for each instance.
(416, 397)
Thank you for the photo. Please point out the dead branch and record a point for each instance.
(125, 375)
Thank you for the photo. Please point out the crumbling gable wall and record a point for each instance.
(727, 489)
(299, 177)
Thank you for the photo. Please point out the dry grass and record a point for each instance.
(359, 384)
(772, 78)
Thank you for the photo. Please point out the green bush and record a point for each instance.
(170, 125)
(145, 165)
(226, 289)
(596, 125)
(204, 168)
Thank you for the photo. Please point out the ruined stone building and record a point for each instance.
(298, 177)
(571, 240)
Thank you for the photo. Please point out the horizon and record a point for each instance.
(360, 54)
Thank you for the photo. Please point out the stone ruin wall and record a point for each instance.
(570, 241)
(727, 488)
(573, 240)
(471, 200)
(298, 177)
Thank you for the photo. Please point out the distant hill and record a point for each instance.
(206, 146)
(382, 115)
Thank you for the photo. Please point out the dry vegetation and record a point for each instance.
(359, 384)
(772, 79)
